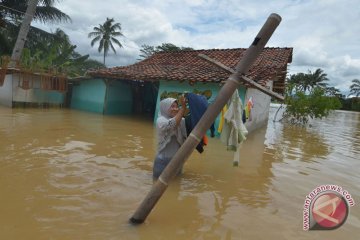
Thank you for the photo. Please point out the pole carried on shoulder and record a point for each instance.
(207, 119)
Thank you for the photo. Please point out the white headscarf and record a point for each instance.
(165, 105)
(166, 125)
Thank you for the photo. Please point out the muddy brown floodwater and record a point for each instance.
(66, 174)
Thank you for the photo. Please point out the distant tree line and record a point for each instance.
(308, 95)
(352, 103)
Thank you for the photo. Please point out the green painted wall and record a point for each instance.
(89, 95)
(119, 98)
(242, 93)
(171, 86)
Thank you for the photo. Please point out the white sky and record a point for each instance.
(324, 33)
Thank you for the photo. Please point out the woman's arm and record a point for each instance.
(181, 112)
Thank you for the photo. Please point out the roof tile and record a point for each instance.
(187, 65)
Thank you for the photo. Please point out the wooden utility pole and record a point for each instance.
(207, 119)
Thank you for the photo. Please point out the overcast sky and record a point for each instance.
(324, 33)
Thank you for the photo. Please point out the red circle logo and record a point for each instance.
(329, 210)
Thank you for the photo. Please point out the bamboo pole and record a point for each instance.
(206, 120)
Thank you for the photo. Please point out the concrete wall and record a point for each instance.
(171, 86)
(119, 98)
(260, 111)
(10, 93)
(35, 94)
(6, 93)
(102, 96)
(89, 95)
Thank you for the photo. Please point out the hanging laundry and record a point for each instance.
(244, 116)
(221, 122)
(188, 125)
(234, 130)
(197, 106)
(248, 107)
(205, 140)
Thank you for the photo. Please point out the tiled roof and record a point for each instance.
(188, 66)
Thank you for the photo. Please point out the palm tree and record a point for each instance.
(59, 55)
(24, 29)
(314, 79)
(106, 35)
(332, 91)
(13, 10)
(355, 87)
(12, 13)
(297, 81)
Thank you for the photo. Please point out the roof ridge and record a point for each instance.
(217, 49)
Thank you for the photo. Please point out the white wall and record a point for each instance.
(260, 110)
(35, 94)
(19, 94)
(6, 93)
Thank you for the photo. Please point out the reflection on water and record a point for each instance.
(299, 143)
(73, 175)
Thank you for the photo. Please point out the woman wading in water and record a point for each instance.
(171, 130)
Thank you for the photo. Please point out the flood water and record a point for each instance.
(66, 174)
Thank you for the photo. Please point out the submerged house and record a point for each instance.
(19, 86)
(138, 88)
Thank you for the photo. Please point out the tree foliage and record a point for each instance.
(11, 15)
(43, 51)
(308, 96)
(13, 11)
(169, 47)
(351, 104)
(58, 55)
(355, 88)
(307, 81)
(106, 35)
(147, 51)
